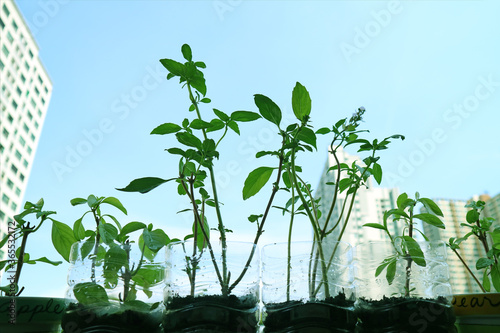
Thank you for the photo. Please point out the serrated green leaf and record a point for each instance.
(155, 239)
(188, 139)
(199, 124)
(301, 101)
(89, 293)
(484, 263)
(256, 180)
(268, 109)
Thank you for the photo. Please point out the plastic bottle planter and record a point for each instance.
(31, 314)
(119, 289)
(193, 293)
(308, 290)
(417, 300)
(477, 312)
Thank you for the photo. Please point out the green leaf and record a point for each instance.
(377, 172)
(484, 263)
(414, 250)
(215, 125)
(143, 185)
(307, 135)
(383, 265)
(78, 230)
(166, 128)
(174, 67)
(486, 281)
(234, 126)
(256, 180)
(244, 116)
(89, 293)
(108, 232)
(495, 277)
(186, 52)
(301, 101)
(199, 124)
(323, 130)
(431, 206)
(374, 225)
(47, 261)
(402, 199)
(155, 239)
(78, 201)
(198, 83)
(391, 271)
(131, 227)
(430, 219)
(222, 116)
(268, 109)
(472, 216)
(201, 242)
(116, 203)
(62, 238)
(188, 139)
(92, 201)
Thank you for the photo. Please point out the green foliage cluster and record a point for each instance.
(405, 246)
(200, 137)
(21, 229)
(488, 235)
(108, 244)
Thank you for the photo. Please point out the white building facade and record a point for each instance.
(25, 94)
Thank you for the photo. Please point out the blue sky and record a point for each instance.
(426, 69)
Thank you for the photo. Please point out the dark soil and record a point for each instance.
(207, 314)
(332, 315)
(83, 319)
(405, 314)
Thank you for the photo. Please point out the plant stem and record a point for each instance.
(408, 256)
(221, 227)
(289, 249)
(20, 261)
(96, 246)
(261, 225)
(469, 270)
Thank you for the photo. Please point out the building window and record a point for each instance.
(5, 51)
(30, 116)
(18, 155)
(5, 10)
(10, 183)
(2, 24)
(9, 37)
(2, 66)
(5, 133)
(2, 215)
(36, 124)
(40, 113)
(29, 150)
(43, 101)
(5, 198)
(37, 91)
(23, 78)
(31, 54)
(14, 25)
(19, 92)
(26, 65)
(21, 177)
(18, 191)
(22, 141)
(14, 104)
(13, 205)
(40, 79)
(1, 148)
(13, 168)
(46, 90)
(32, 136)
(33, 103)
(26, 128)
(25, 163)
